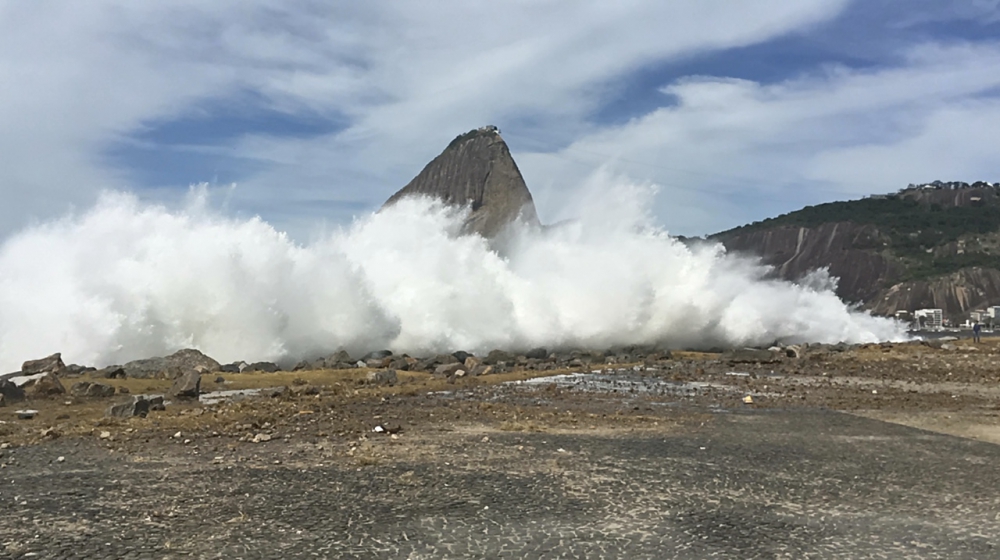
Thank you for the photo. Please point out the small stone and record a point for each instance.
(105, 435)
(50, 433)
(748, 399)
(177, 435)
(60, 459)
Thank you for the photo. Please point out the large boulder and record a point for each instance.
(187, 386)
(10, 392)
(537, 354)
(182, 361)
(476, 170)
(449, 370)
(46, 385)
(499, 356)
(264, 367)
(50, 364)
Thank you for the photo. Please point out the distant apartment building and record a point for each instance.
(929, 319)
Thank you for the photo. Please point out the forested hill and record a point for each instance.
(935, 245)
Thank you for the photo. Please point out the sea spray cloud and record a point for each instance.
(127, 280)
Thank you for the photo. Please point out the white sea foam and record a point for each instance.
(127, 280)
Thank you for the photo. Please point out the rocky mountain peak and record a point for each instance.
(477, 170)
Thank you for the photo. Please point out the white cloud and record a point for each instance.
(406, 78)
(730, 148)
(79, 76)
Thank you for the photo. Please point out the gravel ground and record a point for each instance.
(748, 484)
(662, 462)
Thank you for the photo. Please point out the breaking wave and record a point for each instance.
(127, 280)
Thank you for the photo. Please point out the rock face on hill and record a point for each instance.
(477, 170)
(842, 247)
(927, 246)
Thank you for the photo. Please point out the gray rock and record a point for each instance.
(382, 377)
(378, 362)
(537, 354)
(76, 370)
(137, 406)
(111, 372)
(11, 393)
(497, 356)
(341, 357)
(187, 386)
(481, 369)
(448, 370)
(376, 355)
(274, 392)
(476, 170)
(185, 361)
(45, 386)
(462, 356)
(400, 364)
(235, 367)
(156, 402)
(51, 364)
(90, 389)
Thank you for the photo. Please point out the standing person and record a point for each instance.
(976, 329)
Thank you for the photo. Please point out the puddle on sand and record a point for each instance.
(623, 382)
(215, 397)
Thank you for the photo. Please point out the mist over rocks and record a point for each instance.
(130, 280)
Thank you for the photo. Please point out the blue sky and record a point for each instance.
(318, 111)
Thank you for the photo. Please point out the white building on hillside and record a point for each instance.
(930, 319)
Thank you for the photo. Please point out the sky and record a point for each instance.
(311, 113)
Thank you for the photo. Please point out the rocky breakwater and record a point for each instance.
(477, 171)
